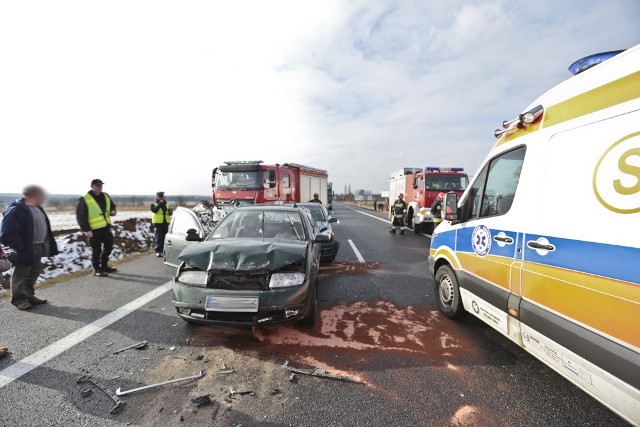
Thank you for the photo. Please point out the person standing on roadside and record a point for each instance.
(161, 218)
(94, 212)
(316, 199)
(398, 210)
(436, 210)
(27, 231)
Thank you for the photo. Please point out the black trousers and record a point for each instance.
(101, 245)
(160, 231)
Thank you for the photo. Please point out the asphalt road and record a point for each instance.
(378, 325)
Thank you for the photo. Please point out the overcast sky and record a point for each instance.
(151, 95)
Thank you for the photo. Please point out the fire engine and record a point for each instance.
(250, 182)
(421, 186)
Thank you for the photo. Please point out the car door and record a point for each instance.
(488, 240)
(182, 221)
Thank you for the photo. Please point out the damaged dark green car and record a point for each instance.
(258, 266)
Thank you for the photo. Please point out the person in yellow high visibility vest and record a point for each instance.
(93, 212)
(161, 218)
(398, 210)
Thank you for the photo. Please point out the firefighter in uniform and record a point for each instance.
(94, 212)
(398, 210)
(436, 210)
(161, 218)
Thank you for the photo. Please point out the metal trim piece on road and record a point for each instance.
(356, 251)
(29, 363)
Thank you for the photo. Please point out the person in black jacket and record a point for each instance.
(27, 231)
(316, 199)
(93, 212)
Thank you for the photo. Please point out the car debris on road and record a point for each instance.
(202, 400)
(224, 369)
(318, 372)
(118, 403)
(134, 390)
(233, 392)
(137, 346)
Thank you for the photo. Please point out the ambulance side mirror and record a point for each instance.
(451, 207)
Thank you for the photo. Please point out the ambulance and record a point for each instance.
(544, 245)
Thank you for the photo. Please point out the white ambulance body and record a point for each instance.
(544, 246)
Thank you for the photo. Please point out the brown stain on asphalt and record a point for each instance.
(465, 416)
(346, 268)
(351, 335)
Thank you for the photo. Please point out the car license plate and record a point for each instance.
(232, 304)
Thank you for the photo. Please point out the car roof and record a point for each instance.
(310, 204)
(266, 207)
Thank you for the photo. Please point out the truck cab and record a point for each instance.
(426, 185)
(241, 183)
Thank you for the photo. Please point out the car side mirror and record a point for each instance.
(192, 235)
(332, 220)
(451, 207)
(322, 238)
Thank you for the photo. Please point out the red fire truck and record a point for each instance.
(421, 187)
(250, 182)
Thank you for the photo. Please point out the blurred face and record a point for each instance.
(35, 199)
(97, 188)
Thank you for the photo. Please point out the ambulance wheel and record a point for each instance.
(448, 293)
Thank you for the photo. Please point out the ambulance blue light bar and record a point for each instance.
(587, 62)
(434, 169)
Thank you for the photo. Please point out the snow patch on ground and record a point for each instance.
(131, 236)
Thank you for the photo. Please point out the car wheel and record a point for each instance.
(312, 310)
(448, 293)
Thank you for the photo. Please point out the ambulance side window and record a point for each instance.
(470, 206)
(502, 182)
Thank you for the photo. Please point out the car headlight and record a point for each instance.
(194, 277)
(282, 280)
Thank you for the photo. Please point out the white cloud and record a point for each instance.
(150, 95)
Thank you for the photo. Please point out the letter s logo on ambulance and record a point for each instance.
(616, 179)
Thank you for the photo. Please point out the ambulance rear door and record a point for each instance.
(581, 270)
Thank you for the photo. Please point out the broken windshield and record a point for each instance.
(256, 224)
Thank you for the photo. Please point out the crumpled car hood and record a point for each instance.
(243, 254)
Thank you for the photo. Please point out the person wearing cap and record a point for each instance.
(316, 199)
(436, 210)
(398, 210)
(27, 231)
(93, 212)
(161, 218)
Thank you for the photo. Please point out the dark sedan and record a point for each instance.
(258, 266)
(323, 220)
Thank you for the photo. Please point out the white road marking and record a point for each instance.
(367, 214)
(40, 357)
(356, 251)
(380, 219)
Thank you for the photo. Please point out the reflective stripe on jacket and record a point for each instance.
(399, 208)
(97, 218)
(161, 216)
